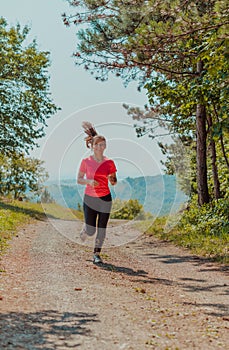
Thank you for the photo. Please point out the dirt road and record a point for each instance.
(147, 294)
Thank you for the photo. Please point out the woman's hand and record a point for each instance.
(82, 181)
(112, 178)
(93, 183)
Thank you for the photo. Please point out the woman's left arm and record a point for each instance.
(112, 179)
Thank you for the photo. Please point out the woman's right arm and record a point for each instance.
(82, 181)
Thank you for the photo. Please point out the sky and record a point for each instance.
(80, 98)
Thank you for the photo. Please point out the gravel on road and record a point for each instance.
(148, 294)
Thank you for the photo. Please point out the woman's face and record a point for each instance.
(99, 146)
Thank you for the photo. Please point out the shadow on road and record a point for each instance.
(179, 259)
(44, 330)
(122, 269)
(211, 309)
(188, 284)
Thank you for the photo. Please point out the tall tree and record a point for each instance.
(20, 175)
(25, 102)
(166, 45)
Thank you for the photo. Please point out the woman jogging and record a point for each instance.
(95, 172)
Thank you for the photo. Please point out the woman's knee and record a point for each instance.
(90, 230)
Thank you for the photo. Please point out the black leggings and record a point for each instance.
(96, 215)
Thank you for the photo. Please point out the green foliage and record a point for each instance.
(128, 210)
(203, 230)
(20, 174)
(25, 101)
(222, 166)
(132, 38)
(211, 219)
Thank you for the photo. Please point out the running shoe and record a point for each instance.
(97, 259)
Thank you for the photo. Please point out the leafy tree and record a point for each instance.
(20, 174)
(25, 102)
(177, 49)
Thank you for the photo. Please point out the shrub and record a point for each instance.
(128, 210)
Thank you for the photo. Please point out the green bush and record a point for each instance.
(128, 210)
(204, 230)
(210, 219)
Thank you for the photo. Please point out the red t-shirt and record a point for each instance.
(98, 172)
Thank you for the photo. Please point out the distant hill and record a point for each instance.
(158, 194)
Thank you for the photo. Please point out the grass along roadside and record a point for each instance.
(16, 214)
(199, 242)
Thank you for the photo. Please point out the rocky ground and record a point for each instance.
(148, 294)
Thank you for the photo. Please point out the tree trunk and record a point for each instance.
(215, 171)
(222, 141)
(224, 151)
(214, 164)
(201, 149)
